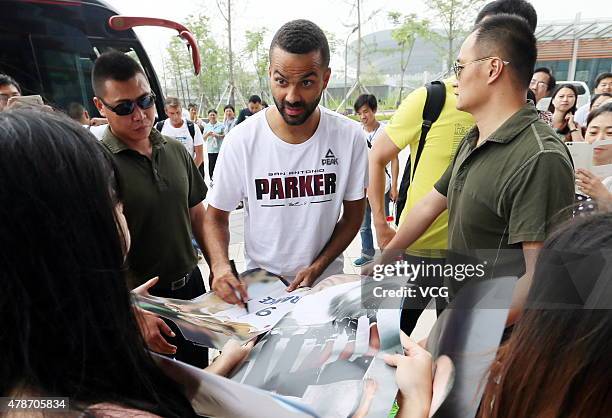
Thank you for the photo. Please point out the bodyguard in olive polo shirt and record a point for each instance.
(161, 192)
(511, 180)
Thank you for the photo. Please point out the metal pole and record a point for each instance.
(188, 93)
(175, 85)
(182, 86)
(346, 64)
(571, 72)
(231, 58)
(358, 40)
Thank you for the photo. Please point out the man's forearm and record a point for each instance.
(345, 231)
(376, 191)
(519, 297)
(217, 244)
(394, 172)
(420, 217)
(521, 290)
(199, 156)
(198, 216)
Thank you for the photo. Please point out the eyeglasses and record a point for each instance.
(127, 108)
(536, 84)
(457, 68)
(603, 85)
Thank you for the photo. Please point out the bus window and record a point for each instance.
(64, 67)
(16, 60)
(49, 47)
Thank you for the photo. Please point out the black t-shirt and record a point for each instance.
(244, 113)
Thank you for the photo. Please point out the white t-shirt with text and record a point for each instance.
(292, 193)
(183, 136)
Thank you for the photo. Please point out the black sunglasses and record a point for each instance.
(127, 108)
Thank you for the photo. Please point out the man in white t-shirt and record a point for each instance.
(366, 106)
(603, 84)
(301, 170)
(181, 129)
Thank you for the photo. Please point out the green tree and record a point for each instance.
(371, 76)
(212, 80)
(407, 29)
(258, 53)
(225, 10)
(334, 43)
(178, 66)
(456, 16)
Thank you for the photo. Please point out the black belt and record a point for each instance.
(180, 283)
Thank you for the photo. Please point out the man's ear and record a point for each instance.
(326, 77)
(495, 69)
(100, 106)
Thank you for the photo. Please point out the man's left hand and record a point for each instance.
(305, 278)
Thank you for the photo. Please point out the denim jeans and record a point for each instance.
(367, 240)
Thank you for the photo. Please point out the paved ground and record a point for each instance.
(236, 252)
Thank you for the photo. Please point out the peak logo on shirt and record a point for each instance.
(329, 159)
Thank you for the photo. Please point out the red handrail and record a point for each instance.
(120, 22)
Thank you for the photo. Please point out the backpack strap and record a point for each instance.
(191, 129)
(434, 102)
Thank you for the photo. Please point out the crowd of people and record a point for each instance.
(96, 208)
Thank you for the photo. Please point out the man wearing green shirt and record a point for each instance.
(511, 179)
(161, 192)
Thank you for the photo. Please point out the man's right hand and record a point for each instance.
(384, 234)
(229, 288)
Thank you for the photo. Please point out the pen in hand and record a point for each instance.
(235, 271)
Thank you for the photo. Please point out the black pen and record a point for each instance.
(235, 271)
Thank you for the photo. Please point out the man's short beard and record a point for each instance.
(309, 109)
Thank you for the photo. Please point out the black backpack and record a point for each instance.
(434, 102)
(190, 126)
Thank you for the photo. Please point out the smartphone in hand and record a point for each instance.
(23, 101)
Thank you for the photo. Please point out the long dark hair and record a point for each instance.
(551, 106)
(557, 361)
(68, 327)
